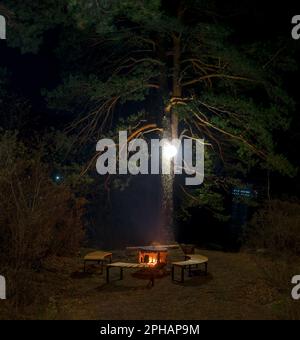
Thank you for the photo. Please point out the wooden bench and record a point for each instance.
(97, 256)
(190, 261)
(126, 265)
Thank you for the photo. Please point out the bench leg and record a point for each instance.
(121, 273)
(206, 268)
(98, 262)
(182, 274)
(107, 274)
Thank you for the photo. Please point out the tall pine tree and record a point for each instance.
(179, 54)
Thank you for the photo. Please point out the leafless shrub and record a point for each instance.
(38, 219)
(276, 229)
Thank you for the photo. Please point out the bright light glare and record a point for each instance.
(170, 151)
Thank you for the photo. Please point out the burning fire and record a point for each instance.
(153, 256)
(152, 261)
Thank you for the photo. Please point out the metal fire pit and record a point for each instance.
(156, 257)
(153, 255)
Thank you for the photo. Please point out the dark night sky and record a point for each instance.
(253, 20)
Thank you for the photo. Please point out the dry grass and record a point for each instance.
(236, 288)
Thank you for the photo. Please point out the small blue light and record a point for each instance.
(58, 178)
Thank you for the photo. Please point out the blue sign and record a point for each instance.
(248, 193)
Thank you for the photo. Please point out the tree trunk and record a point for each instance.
(177, 90)
(170, 126)
(167, 218)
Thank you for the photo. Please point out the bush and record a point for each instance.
(38, 219)
(276, 229)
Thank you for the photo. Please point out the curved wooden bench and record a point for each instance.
(97, 256)
(190, 260)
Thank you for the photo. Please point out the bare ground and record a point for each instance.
(234, 289)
